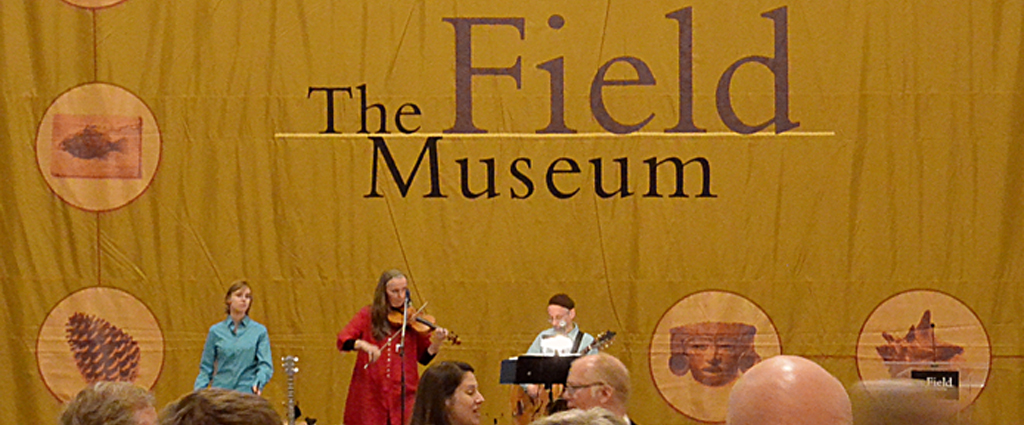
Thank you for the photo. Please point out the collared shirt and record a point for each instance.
(236, 359)
(536, 348)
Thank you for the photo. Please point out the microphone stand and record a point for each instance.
(401, 347)
(935, 353)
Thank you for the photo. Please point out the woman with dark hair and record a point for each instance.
(375, 392)
(448, 395)
(237, 351)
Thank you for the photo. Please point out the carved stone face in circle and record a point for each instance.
(713, 352)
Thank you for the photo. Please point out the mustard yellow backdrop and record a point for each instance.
(830, 156)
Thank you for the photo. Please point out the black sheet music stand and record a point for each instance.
(533, 369)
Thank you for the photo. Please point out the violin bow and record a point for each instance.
(393, 335)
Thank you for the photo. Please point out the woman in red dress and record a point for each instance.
(375, 393)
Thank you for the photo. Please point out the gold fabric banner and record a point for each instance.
(833, 179)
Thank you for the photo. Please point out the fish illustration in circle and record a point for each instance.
(91, 143)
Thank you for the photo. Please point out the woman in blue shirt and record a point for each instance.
(237, 352)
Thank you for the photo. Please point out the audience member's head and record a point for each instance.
(448, 394)
(217, 406)
(901, 402)
(595, 416)
(598, 380)
(788, 390)
(110, 403)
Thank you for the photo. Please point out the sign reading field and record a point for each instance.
(465, 71)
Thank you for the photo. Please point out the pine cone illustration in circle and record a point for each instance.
(103, 352)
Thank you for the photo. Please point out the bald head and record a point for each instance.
(788, 390)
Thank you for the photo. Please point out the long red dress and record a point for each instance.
(375, 393)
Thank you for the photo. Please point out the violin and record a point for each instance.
(421, 323)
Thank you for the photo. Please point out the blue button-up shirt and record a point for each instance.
(236, 359)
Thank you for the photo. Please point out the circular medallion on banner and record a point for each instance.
(93, 4)
(99, 334)
(929, 336)
(702, 345)
(98, 147)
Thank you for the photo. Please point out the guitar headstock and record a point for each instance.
(602, 341)
(290, 365)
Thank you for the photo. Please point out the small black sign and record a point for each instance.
(949, 380)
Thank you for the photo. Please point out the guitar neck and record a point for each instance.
(291, 399)
(600, 342)
(291, 369)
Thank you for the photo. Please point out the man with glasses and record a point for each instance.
(600, 380)
(564, 337)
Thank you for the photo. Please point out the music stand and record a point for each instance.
(534, 369)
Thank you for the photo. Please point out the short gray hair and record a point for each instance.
(610, 370)
(107, 403)
(595, 416)
(221, 407)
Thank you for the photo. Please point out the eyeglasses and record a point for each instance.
(571, 389)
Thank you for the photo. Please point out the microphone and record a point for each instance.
(408, 297)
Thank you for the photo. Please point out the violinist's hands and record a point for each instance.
(437, 339)
(256, 390)
(370, 349)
